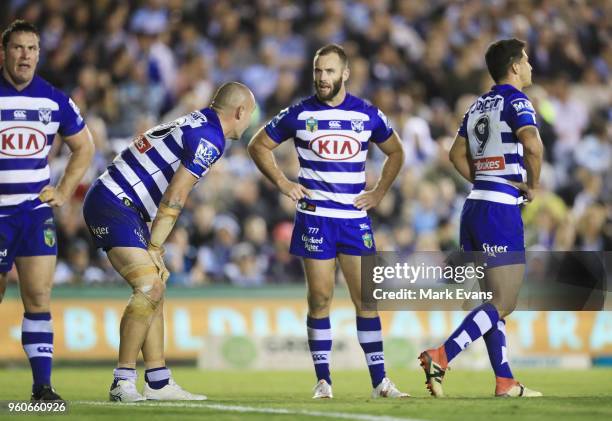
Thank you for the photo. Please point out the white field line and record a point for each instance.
(238, 408)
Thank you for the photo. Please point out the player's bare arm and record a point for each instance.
(82, 150)
(170, 208)
(533, 150)
(460, 157)
(392, 147)
(260, 149)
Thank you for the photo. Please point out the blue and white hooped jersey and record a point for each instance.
(490, 126)
(332, 145)
(142, 171)
(29, 121)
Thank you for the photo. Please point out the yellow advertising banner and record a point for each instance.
(89, 329)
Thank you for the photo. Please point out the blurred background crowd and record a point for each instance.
(132, 64)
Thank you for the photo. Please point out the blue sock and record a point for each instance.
(123, 373)
(496, 347)
(37, 341)
(157, 377)
(476, 324)
(369, 333)
(320, 344)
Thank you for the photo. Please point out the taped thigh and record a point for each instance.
(139, 274)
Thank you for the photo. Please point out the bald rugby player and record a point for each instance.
(150, 181)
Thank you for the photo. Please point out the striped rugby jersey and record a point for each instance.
(29, 121)
(332, 145)
(143, 170)
(490, 126)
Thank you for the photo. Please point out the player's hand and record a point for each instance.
(157, 255)
(528, 192)
(368, 200)
(52, 196)
(294, 190)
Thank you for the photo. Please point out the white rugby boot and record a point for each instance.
(322, 390)
(124, 391)
(386, 389)
(170, 392)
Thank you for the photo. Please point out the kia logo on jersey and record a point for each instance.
(21, 141)
(335, 147)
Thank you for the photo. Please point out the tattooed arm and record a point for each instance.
(169, 209)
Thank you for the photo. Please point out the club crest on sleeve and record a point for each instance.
(312, 124)
(206, 154)
(44, 115)
(357, 125)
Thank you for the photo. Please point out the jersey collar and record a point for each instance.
(342, 105)
(504, 87)
(8, 85)
(212, 116)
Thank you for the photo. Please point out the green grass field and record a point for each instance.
(570, 395)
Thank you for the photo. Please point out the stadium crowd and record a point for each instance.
(132, 64)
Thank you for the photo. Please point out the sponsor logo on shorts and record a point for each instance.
(490, 164)
(311, 243)
(3, 253)
(99, 231)
(367, 240)
(492, 250)
(364, 227)
(140, 236)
